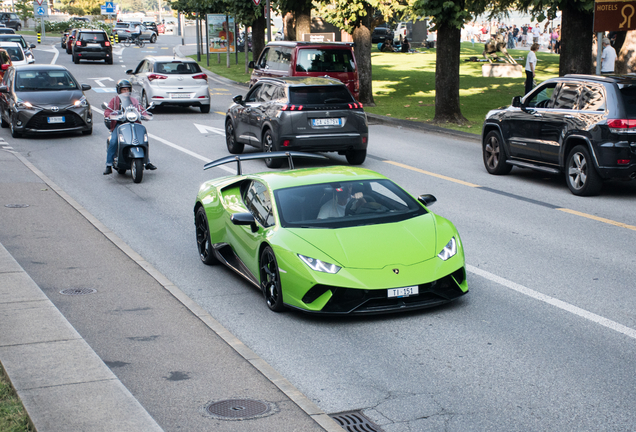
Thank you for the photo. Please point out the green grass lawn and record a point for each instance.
(13, 417)
(404, 84)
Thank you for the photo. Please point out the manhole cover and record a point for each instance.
(355, 421)
(16, 205)
(78, 291)
(239, 409)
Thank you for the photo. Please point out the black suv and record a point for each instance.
(92, 45)
(581, 125)
(298, 113)
(11, 20)
(380, 34)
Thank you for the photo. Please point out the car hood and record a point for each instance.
(376, 246)
(61, 98)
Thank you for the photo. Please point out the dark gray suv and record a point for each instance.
(298, 113)
(583, 126)
(11, 20)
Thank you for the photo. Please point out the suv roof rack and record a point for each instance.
(268, 155)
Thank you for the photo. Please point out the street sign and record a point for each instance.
(108, 9)
(614, 15)
(40, 10)
(257, 2)
(39, 2)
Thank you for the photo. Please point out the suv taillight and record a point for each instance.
(355, 105)
(78, 43)
(200, 76)
(156, 76)
(291, 108)
(106, 43)
(620, 125)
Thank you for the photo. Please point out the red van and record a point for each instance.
(290, 58)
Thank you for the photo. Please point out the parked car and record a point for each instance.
(11, 20)
(298, 113)
(42, 99)
(581, 126)
(15, 51)
(124, 30)
(380, 34)
(151, 25)
(289, 58)
(5, 30)
(84, 19)
(402, 30)
(70, 40)
(167, 80)
(26, 47)
(92, 45)
(284, 233)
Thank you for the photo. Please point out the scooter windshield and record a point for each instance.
(126, 100)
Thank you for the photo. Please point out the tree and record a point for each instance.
(301, 22)
(356, 17)
(24, 9)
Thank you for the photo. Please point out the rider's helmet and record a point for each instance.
(124, 83)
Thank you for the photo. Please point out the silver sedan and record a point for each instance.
(171, 81)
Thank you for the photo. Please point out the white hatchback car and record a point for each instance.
(171, 81)
(16, 53)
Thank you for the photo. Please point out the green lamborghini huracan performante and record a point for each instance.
(330, 240)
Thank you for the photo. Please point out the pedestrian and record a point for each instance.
(524, 35)
(557, 45)
(515, 35)
(531, 66)
(536, 33)
(608, 58)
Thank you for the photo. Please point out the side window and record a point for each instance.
(279, 94)
(262, 61)
(267, 93)
(542, 97)
(592, 98)
(140, 67)
(285, 61)
(259, 203)
(252, 95)
(567, 96)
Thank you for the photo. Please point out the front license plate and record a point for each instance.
(325, 122)
(403, 292)
(179, 95)
(55, 120)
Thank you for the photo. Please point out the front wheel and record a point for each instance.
(493, 154)
(126, 42)
(270, 280)
(580, 174)
(268, 147)
(137, 170)
(18, 28)
(3, 122)
(14, 133)
(153, 38)
(144, 100)
(356, 157)
(204, 245)
(233, 146)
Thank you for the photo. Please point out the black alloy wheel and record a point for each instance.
(203, 238)
(580, 174)
(494, 155)
(270, 280)
(356, 157)
(233, 146)
(268, 147)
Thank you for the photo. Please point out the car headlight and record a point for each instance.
(318, 265)
(81, 102)
(19, 103)
(449, 250)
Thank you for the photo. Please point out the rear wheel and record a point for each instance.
(233, 146)
(18, 28)
(153, 38)
(493, 154)
(205, 109)
(270, 280)
(356, 157)
(127, 42)
(137, 170)
(268, 147)
(109, 60)
(144, 100)
(76, 59)
(121, 171)
(580, 174)
(3, 122)
(204, 244)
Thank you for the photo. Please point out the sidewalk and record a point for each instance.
(126, 350)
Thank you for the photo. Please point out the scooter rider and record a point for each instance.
(123, 86)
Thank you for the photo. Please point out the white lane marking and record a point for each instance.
(57, 53)
(613, 325)
(177, 147)
(99, 80)
(205, 129)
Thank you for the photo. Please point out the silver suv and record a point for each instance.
(125, 30)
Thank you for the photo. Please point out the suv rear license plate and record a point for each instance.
(179, 95)
(55, 120)
(326, 122)
(93, 45)
(403, 292)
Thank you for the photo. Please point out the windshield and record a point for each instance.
(324, 60)
(92, 37)
(345, 204)
(44, 80)
(18, 39)
(15, 53)
(177, 67)
(320, 95)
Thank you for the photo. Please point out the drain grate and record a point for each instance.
(239, 409)
(78, 291)
(16, 205)
(355, 421)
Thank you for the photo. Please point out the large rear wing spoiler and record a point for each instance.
(273, 155)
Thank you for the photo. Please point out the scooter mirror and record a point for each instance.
(151, 106)
(104, 105)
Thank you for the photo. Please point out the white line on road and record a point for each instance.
(613, 325)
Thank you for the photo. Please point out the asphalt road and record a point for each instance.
(544, 340)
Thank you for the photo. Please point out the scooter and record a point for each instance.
(132, 140)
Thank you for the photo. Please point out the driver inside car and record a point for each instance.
(336, 206)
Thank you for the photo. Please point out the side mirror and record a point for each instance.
(427, 199)
(238, 99)
(516, 101)
(251, 65)
(3, 88)
(5, 66)
(129, 72)
(244, 219)
(105, 105)
(32, 46)
(86, 87)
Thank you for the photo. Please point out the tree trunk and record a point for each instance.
(626, 58)
(303, 22)
(447, 75)
(362, 51)
(258, 36)
(576, 40)
(290, 27)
